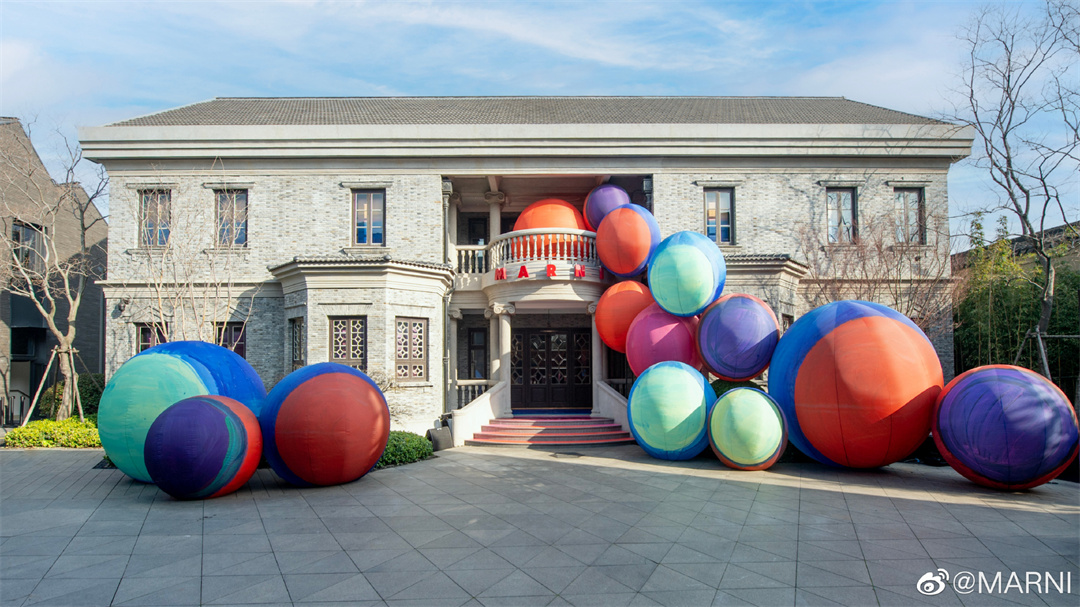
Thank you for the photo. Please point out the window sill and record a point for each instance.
(227, 251)
(414, 384)
(911, 247)
(373, 249)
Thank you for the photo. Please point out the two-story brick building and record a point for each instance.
(372, 231)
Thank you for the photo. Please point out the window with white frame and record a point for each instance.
(720, 215)
(232, 217)
(410, 349)
(910, 216)
(155, 208)
(843, 215)
(369, 217)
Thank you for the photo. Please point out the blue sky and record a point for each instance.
(69, 64)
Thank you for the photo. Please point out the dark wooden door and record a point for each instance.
(551, 369)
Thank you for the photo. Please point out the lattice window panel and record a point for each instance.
(298, 342)
(517, 360)
(582, 359)
(348, 341)
(410, 349)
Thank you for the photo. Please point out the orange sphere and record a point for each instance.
(550, 213)
(617, 308)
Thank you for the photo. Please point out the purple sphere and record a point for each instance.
(736, 337)
(601, 201)
(1005, 427)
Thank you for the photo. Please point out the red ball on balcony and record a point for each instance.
(550, 213)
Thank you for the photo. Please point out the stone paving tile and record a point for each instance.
(485, 527)
(159, 590)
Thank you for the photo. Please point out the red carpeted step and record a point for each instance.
(582, 429)
(552, 431)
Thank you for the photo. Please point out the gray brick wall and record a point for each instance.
(291, 215)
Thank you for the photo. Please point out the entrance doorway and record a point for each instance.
(551, 369)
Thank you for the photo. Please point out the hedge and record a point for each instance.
(404, 448)
(50, 433)
(90, 388)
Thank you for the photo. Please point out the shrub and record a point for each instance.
(722, 385)
(49, 433)
(90, 388)
(404, 448)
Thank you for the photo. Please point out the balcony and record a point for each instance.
(541, 255)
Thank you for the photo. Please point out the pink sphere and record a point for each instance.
(656, 336)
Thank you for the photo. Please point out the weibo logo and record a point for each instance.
(932, 583)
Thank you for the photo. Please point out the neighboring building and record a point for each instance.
(25, 340)
(375, 231)
(1063, 237)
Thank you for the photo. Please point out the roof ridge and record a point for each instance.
(276, 98)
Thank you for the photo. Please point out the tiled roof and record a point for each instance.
(757, 257)
(344, 258)
(240, 111)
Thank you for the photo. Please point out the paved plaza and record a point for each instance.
(487, 526)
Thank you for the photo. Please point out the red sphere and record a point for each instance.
(324, 424)
(877, 380)
(550, 213)
(616, 310)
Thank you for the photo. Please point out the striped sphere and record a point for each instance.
(1005, 427)
(152, 381)
(857, 383)
(686, 273)
(747, 429)
(203, 447)
(626, 240)
(324, 424)
(667, 411)
(736, 337)
(602, 200)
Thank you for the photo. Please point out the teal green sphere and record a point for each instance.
(668, 409)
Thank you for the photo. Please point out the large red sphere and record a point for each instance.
(656, 336)
(324, 424)
(857, 382)
(617, 308)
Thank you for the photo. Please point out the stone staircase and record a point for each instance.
(551, 431)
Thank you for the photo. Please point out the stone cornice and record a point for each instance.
(449, 141)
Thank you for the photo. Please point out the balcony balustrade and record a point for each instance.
(538, 248)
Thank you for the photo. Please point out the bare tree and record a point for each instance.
(184, 277)
(1020, 95)
(883, 265)
(53, 243)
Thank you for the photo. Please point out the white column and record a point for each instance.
(495, 201)
(493, 344)
(597, 371)
(504, 311)
(455, 316)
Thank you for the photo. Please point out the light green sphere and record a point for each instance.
(747, 430)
